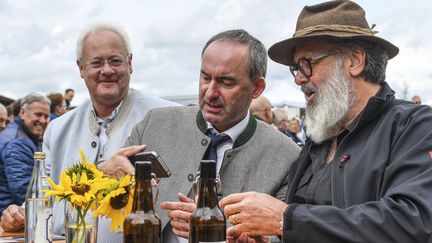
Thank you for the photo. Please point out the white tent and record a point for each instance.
(286, 95)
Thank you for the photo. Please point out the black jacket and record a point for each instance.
(381, 179)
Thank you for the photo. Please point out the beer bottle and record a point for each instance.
(207, 222)
(38, 208)
(142, 224)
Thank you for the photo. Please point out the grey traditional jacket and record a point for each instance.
(258, 161)
(381, 180)
(78, 129)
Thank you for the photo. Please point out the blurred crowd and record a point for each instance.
(59, 104)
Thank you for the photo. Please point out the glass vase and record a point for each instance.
(80, 226)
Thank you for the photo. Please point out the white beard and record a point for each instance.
(330, 106)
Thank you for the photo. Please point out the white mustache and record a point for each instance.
(308, 88)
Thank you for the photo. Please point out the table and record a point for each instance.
(17, 234)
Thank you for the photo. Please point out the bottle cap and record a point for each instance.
(208, 169)
(39, 155)
(143, 170)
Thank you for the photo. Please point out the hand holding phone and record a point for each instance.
(159, 167)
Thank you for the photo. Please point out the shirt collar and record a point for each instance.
(109, 119)
(234, 131)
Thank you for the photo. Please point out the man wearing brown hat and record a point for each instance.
(365, 175)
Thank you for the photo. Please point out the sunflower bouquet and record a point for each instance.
(86, 188)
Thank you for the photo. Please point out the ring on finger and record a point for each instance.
(233, 219)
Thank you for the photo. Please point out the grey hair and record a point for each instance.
(257, 61)
(2, 107)
(376, 58)
(27, 100)
(97, 28)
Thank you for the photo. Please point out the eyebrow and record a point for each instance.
(223, 77)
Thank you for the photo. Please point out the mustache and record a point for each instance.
(213, 102)
(308, 88)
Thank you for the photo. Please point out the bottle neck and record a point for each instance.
(207, 193)
(38, 180)
(143, 196)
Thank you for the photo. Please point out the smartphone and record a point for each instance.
(159, 167)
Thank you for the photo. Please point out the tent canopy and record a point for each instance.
(286, 95)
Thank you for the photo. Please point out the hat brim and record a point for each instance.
(283, 52)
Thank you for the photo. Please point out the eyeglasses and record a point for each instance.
(112, 62)
(304, 65)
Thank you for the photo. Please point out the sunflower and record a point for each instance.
(78, 189)
(117, 202)
(60, 191)
(80, 184)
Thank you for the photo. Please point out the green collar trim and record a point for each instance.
(244, 136)
(201, 123)
(257, 117)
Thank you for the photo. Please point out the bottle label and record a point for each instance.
(43, 232)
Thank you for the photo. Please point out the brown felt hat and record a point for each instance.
(333, 20)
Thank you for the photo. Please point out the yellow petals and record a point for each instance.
(83, 185)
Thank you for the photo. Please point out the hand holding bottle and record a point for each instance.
(179, 213)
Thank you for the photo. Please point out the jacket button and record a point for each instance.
(93, 144)
(204, 142)
(191, 177)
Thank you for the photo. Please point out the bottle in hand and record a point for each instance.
(207, 222)
(142, 224)
(38, 208)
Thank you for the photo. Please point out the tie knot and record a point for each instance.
(217, 140)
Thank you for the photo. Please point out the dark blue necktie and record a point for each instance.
(216, 141)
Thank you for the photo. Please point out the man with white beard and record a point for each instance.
(365, 174)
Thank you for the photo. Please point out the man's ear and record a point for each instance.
(80, 67)
(130, 63)
(22, 113)
(357, 61)
(260, 85)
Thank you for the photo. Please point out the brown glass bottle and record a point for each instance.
(142, 224)
(207, 223)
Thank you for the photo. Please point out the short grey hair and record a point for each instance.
(3, 108)
(257, 61)
(97, 28)
(376, 58)
(27, 100)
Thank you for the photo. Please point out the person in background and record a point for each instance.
(68, 96)
(3, 117)
(250, 155)
(58, 105)
(14, 109)
(365, 175)
(18, 142)
(416, 100)
(293, 128)
(280, 118)
(261, 109)
(101, 124)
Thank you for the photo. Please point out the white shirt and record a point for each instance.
(103, 126)
(233, 133)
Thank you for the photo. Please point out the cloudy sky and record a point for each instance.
(38, 38)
